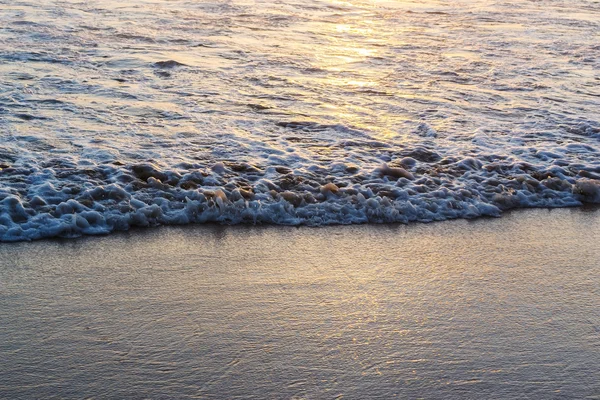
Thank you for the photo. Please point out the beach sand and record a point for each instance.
(489, 308)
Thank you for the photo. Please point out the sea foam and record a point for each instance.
(144, 195)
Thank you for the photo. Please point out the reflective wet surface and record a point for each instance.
(497, 309)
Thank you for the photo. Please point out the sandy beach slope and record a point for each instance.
(492, 308)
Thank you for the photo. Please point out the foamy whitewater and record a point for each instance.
(119, 114)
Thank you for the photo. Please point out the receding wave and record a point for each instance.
(310, 112)
(61, 199)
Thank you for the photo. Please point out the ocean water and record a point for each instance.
(146, 112)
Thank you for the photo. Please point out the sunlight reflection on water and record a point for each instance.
(413, 111)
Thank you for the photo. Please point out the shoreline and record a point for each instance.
(585, 207)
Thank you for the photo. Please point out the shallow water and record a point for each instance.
(496, 309)
(116, 115)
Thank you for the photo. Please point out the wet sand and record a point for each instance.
(503, 308)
